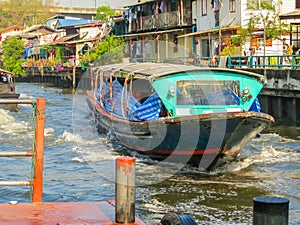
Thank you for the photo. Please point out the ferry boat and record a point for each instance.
(178, 113)
(8, 90)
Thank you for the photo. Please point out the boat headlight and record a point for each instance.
(246, 91)
(172, 90)
(245, 94)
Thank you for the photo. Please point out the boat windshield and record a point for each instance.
(208, 92)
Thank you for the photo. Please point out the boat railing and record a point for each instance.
(37, 154)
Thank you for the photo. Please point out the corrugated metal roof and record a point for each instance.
(40, 28)
(62, 23)
(11, 28)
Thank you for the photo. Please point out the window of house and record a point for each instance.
(295, 35)
(174, 5)
(297, 4)
(232, 6)
(256, 4)
(204, 7)
(268, 42)
(217, 19)
(175, 40)
(205, 48)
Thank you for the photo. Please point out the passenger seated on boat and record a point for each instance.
(183, 98)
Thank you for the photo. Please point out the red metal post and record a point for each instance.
(125, 191)
(39, 150)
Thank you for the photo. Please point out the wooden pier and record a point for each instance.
(59, 213)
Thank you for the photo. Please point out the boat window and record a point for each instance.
(209, 92)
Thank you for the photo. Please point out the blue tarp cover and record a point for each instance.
(126, 106)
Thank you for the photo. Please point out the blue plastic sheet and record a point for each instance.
(126, 106)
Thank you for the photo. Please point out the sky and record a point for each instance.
(92, 3)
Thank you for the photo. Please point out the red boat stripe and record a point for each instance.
(188, 152)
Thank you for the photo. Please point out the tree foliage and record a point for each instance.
(109, 50)
(13, 50)
(257, 4)
(24, 12)
(104, 12)
(267, 17)
(262, 16)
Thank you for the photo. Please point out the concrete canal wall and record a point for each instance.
(63, 79)
(280, 97)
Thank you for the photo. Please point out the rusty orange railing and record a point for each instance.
(36, 183)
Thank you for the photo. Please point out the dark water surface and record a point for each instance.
(79, 166)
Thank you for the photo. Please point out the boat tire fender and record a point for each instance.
(174, 219)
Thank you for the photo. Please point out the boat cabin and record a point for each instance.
(207, 91)
(147, 91)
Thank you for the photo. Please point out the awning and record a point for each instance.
(82, 41)
(151, 33)
(64, 39)
(139, 3)
(216, 30)
(290, 15)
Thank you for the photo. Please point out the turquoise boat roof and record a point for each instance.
(153, 71)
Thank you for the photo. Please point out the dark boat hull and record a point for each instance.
(204, 141)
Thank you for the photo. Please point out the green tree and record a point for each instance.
(109, 50)
(244, 32)
(103, 13)
(13, 50)
(25, 12)
(256, 4)
(60, 53)
(265, 15)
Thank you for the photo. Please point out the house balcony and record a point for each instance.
(167, 20)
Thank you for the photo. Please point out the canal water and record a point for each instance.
(79, 166)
